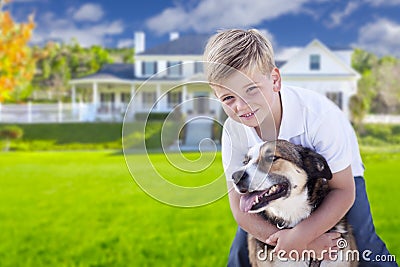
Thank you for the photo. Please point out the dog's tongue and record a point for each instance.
(246, 201)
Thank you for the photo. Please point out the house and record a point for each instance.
(169, 77)
(326, 71)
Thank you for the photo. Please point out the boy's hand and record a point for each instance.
(325, 244)
(287, 241)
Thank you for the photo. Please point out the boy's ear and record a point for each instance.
(276, 79)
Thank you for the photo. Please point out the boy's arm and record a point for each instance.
(250, 222)
(335, 206)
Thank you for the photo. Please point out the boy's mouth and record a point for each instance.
(248, 115)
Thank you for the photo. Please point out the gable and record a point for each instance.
(329, 62)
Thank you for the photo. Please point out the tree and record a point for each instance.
(379, 86)
(363, 61)
(17, 64)
(61, 62)
(387, 86)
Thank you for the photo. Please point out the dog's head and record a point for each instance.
(278, 175)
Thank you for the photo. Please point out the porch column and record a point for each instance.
(73, 98)
(158, 89)
(184, 98)
(94, 102)
(132, 101)
(73, 94)
(133, 91)
(95, 98)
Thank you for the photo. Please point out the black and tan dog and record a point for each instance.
(285, 183)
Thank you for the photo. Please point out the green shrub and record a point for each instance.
(153, 116)
(379, 131)
(10, 132)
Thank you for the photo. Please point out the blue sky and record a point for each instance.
(373, 25)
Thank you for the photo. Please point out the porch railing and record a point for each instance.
(61, 112)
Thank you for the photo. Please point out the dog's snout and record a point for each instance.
(239, 175)
(241, 181)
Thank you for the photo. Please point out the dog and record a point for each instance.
(285, 183)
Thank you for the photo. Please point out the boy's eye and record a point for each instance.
(226, 98)
(251, 89)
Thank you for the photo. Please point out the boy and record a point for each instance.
(241, 71)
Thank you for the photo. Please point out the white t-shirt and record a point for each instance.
(308, 119)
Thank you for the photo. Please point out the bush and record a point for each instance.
(379, 131)
(380, 134)
(153, 116)
(10, 132)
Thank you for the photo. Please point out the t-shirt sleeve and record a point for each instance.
(233, 148)
(331, 139)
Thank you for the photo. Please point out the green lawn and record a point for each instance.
(84, 209)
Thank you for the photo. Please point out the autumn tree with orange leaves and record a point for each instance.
(17, 64)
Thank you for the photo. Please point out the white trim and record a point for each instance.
(169, 57)
(88, 81)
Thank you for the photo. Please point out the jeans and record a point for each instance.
(359, 216)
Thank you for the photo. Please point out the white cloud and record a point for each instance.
(123, 43)
(26, 1)
(209, 15)
(89, 12)
(285, 53)
(52, 27)
(380, 37)
(338, 16)
(383, 2)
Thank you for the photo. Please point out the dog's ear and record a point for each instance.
(315, 164)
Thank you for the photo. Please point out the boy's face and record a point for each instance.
(248, 99)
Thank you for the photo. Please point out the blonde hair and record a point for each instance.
(235, 49)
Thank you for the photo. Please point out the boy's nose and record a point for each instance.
(241, 105)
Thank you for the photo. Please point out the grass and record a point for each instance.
(84, 209)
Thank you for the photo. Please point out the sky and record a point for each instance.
(373, 25)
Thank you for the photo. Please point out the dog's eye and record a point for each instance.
(246, 160)
(272, 158)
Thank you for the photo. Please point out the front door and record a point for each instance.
(201, 102)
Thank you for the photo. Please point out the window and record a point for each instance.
(125, 97)
(149, 68)
(315, 62)
(198, 67)
(107, 102)
(336, 97)
(174, 68)
(107, 97)
(174, 99)
(149, 99)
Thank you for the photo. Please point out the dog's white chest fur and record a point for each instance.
(292, 209)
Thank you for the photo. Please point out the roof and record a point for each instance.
(113, 71)
(119, 73)
(184, 45)
(280, 63)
